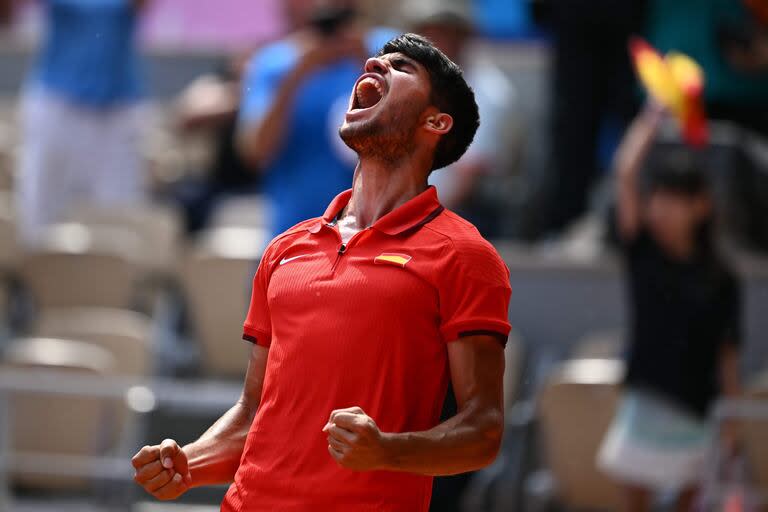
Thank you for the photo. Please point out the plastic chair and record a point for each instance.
(216, 278)
(9, 249)
(246, 211)
(125, 334)
(602, 344)
(59, 425)
(575, 409)
(74, 265)
(158, 228)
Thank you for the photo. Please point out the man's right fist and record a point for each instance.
(162, 470)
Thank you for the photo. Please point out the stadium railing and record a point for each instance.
(141, 396)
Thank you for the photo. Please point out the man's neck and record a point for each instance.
(380, 187)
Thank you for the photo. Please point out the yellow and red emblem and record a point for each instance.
(676, 82)
(391, 258)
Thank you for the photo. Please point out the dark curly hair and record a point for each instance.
(450, 93)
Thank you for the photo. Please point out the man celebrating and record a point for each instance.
(358, 320)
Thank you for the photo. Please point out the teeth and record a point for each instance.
(369, 92)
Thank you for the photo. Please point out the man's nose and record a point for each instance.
(375, 65)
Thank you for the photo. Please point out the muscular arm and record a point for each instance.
(468, 441)
(214, 457)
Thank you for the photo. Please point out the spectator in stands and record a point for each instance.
(295, 93)
(81, 112)
(211, 103)
(685, 310)
(448, 23)
(593, 90)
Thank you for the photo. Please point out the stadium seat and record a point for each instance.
(58, 425)
(247, 211)
(74, 265)
(8, 145)
(125, 334)
(158, 228)
(216, 277)
(602, 344)
(9, 250)
(575, 408)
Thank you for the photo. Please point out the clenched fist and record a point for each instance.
(354, 440)
(162, 470)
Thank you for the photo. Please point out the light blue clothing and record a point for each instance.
(653, 421)
(89, 55)
(313, 165)
(654, 444)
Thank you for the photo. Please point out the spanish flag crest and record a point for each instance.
(391, 258)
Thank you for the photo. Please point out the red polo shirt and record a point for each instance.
(362, 324)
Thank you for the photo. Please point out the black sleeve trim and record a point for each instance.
(248, 337)
(502, 338)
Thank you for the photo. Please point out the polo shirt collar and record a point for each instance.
(412, 214)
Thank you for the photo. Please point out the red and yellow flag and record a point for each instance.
(677, 82)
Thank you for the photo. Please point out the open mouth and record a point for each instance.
(368, 93)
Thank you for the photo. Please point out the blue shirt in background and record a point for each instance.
(89, 55)
(313, 165)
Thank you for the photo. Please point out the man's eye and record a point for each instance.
(400, 65)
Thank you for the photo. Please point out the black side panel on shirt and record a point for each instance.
(501, 337)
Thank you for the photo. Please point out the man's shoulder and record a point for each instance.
(464, 242)
(289, 236)
(456, 229)
(299, 228)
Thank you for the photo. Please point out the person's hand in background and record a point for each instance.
(321, 50)
(259, 141)
(162, 470)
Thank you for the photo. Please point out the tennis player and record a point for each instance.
(359, 319)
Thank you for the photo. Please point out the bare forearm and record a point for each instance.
(629, 160)
(466, 442)
(214, 457)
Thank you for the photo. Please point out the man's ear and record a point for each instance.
(438, 123)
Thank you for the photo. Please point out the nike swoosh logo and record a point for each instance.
(286, 260)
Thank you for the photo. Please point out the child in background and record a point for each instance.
(685, 311)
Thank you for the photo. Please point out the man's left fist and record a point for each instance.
(354, 440)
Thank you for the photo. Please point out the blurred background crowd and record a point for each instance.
(149, 149)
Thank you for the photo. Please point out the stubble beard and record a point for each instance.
(389, 140)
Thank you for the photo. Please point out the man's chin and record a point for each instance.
(354, 133)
